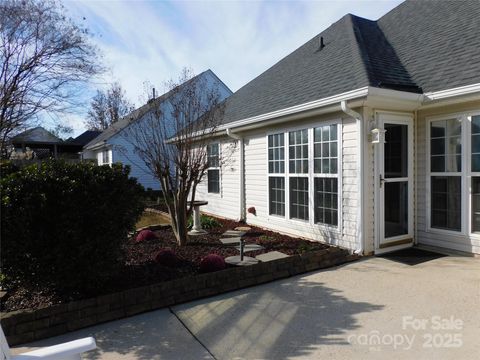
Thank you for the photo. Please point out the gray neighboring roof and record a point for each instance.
(85, 137)
(138, 113)
(36, 135)
(418, 46)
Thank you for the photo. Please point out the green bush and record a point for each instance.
(64, 224)
(207, 222)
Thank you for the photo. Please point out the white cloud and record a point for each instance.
(238, 40)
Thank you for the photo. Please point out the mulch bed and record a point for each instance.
(140, 268)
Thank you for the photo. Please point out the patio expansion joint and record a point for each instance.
(191, 333)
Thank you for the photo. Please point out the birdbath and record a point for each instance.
(197, 225)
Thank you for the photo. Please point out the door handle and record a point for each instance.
(381, 180)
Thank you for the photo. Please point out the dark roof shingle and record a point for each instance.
(418, 46)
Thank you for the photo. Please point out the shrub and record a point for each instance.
(64, 224)
(211, 263)
(145, 235)
(166, 257)
(7, 168)
(207, 222)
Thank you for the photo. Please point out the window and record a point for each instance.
(105, 157)
(445, 174)
(298, 171)
(213, 172)
(303, 182)
(476, 204)
(325, 152)
(276, 167)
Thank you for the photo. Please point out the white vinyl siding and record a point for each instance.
(226, 202)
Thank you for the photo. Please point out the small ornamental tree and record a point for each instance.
(171, 136)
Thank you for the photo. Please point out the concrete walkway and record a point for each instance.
(370, 309)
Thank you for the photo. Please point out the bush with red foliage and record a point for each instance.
(166, 257)
(145, 235)
(211, 263)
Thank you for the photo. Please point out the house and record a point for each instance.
(366, 137)
(113, 146)
(39, 143)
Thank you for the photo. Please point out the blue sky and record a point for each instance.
(153, 40)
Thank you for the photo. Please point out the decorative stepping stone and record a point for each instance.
(234, 233)
(243, 228)
(230, 241)
(250, 247)
(235, 260)
(270, 256)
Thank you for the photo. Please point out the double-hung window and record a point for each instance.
(276, 174)
(213, 172)
(298, 174)
(475, 170)
(446, 174)
(325, 163)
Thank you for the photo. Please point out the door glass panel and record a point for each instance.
(396, 208)
(396, 151)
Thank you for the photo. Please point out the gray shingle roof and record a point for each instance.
(138, 113)
(419, 45)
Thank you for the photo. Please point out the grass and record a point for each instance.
(150, 218)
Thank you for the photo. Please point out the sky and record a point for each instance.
(238, 40)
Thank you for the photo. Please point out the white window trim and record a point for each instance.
(219, 168)
(310, 175)
(465, 224)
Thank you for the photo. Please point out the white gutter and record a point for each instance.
(448, 93)
(331, 100)
(360, 166)
(242, 172)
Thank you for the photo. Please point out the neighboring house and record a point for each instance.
(112, 145)
(38, 143)
(311, 159)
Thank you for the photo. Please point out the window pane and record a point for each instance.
(446, 202)
(396, 151)
(476, 204)
(298, 151)
(212, 155)
(276, 187)
(299, 198)
(276, 153)
(476, 143)
(396, 208)
(326, 203)
(446, 146)
(325, 149)
(213, 181)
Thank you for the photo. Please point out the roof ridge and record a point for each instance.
(354, 44)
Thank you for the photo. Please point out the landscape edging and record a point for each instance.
(28, 325)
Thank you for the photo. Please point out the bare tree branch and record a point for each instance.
(190, 113)
(44, 59)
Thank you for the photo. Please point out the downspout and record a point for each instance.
(360, 166)
(242, 172)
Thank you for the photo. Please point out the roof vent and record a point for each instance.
(321, 45)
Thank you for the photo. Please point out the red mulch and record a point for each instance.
(140, 268)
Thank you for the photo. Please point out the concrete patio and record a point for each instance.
(374, 308)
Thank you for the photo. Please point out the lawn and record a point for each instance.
(150, 218)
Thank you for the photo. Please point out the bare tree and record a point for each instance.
(170, 134)
(44, 58)
(107, 107)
